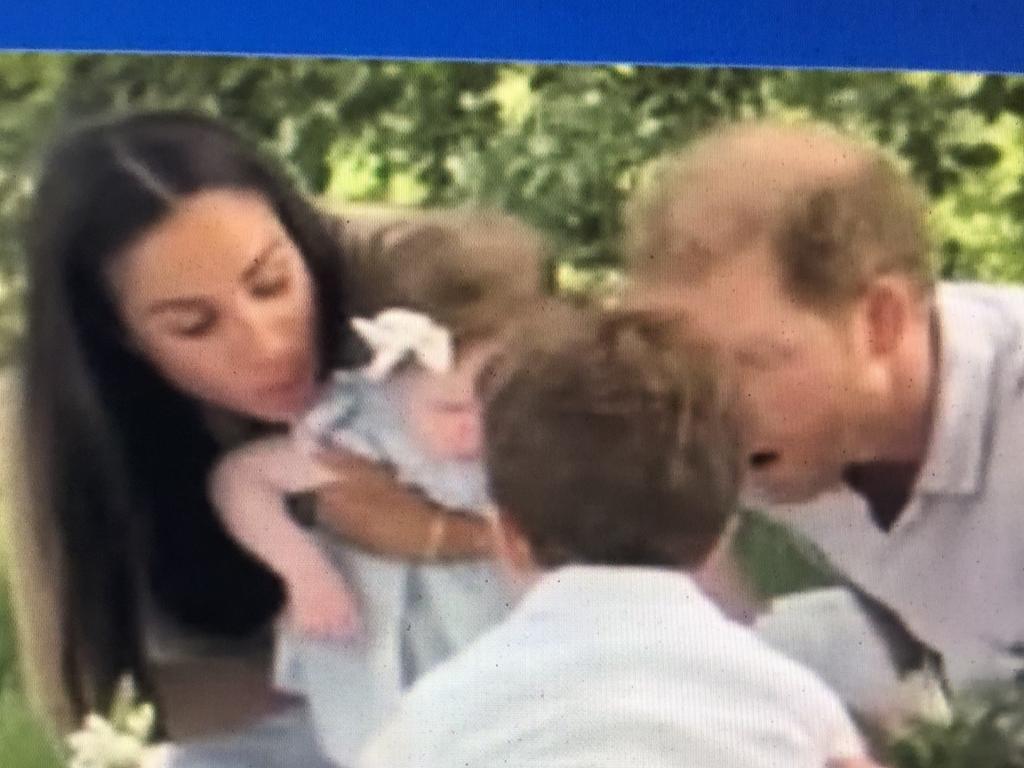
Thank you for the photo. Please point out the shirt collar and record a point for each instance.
(956, 457)
(591, 588)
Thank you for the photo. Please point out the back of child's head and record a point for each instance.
(609, 439)
(468, 270)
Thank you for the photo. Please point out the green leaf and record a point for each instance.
(981, 155)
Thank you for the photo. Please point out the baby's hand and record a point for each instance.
(322, 605)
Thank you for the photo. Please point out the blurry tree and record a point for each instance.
(562, 146)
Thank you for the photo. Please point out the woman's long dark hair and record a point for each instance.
(118, 459)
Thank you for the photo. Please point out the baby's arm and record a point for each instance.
(248, 488)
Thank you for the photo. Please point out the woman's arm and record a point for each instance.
(367, 506)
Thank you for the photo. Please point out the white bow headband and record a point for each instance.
(396, 334)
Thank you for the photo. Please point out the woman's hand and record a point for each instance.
(368, 507)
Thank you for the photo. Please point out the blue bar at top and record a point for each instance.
(985, 35)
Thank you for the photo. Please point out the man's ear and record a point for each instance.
(886, 308)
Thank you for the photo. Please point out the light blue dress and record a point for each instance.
(414, 615)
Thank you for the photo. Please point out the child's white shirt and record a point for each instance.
(602, 667)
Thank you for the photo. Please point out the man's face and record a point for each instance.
(797, 371)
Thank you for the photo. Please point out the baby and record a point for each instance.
(613, 461)
(435, 295)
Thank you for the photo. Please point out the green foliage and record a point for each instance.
(562, 146)
(987, 729)
(24, 742)
(775, 560)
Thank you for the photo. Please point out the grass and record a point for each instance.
(24, 741)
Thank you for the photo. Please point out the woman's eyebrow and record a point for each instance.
(260, 259)
(175, 305)
(764, 344)
(180, 303)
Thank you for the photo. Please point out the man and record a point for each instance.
(884, 410)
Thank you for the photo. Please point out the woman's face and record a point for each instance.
(219, 299)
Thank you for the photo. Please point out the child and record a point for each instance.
(436, 295)
(613, 462)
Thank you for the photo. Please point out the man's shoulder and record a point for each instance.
(1005, 292)
(990, 316)
(996, 305)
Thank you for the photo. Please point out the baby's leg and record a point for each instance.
(248, 489)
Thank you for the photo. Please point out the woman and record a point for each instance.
(183, 297)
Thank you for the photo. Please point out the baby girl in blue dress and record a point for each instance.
(362, 627)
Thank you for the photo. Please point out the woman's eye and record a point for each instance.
(193, 329)
(454, 409)
(269, 287)
(753, 360)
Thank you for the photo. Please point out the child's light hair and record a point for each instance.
(471, 271)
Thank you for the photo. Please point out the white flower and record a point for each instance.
(396, 334)
(119, 741)
(99, 745)
(921, 696)
(140, 721)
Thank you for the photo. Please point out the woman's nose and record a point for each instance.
(263, 336)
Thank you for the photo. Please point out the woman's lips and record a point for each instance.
(295, 386)
(763, 459)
